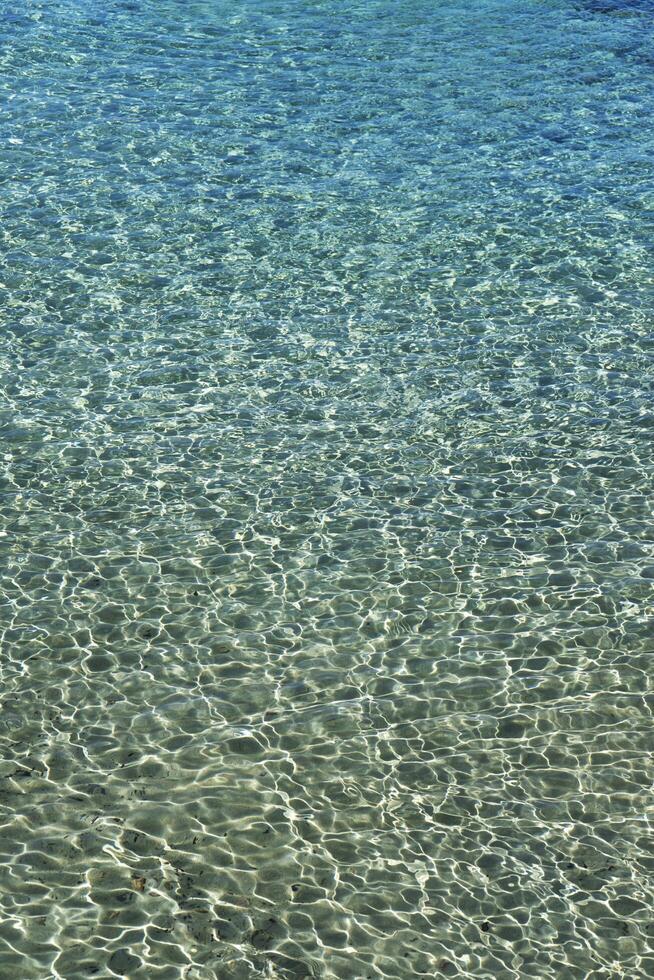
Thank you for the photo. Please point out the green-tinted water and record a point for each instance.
(327, 544)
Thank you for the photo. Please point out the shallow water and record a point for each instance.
(326, 515)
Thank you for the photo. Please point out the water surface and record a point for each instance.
(327, 547)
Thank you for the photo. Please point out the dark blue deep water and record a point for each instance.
(326, 497)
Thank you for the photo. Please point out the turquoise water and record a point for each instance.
(326, 512)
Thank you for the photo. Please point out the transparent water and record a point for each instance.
(326, 515)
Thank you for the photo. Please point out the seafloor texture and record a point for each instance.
(327, 439)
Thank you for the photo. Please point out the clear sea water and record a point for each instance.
(326, 515)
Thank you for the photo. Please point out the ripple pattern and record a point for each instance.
(326, 521)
